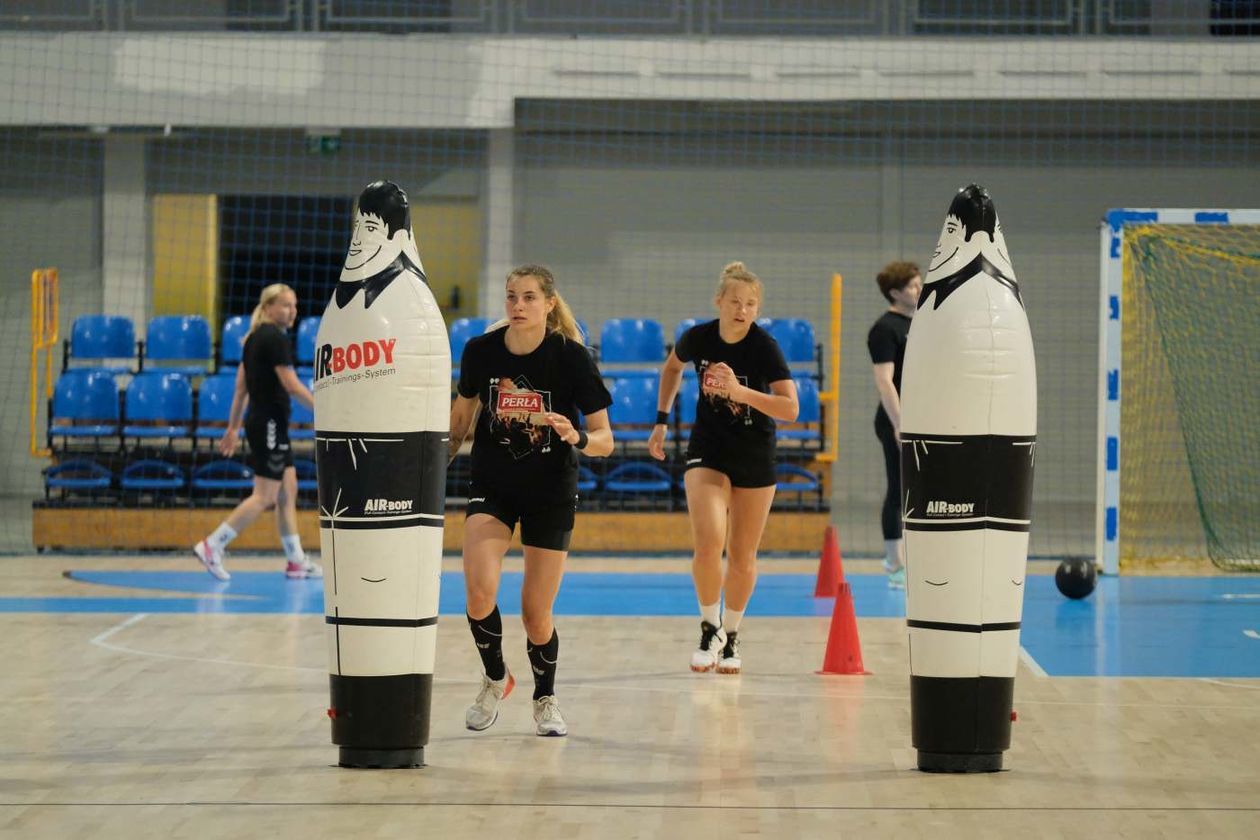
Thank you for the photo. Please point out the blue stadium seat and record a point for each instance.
(587, 480)
(232, 341)
(637, 478)
(151, 475)
(808, 425)
(307, 480)
(85, 404)
(214, 405)
(179, 338)
(795, 337)
(98, 337)
(461, 330)
(223, 475)
(793, 478)
(684, 325)
(159, 404)
(688, 396)
(308, 329)
(632, 340)
(78, 474)
(764, 322)
(301, 418)
(633, 409)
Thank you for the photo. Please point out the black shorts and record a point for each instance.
(549, 525)
(742, 470)
(269, 451)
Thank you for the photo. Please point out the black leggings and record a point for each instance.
(890, 514)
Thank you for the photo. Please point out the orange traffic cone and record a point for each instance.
(830, 570)
(844, 651)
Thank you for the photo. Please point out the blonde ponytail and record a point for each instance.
(268, 296)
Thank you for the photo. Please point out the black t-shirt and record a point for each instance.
(887, 343)
(513, 448)
(265, 349)
(737, 429)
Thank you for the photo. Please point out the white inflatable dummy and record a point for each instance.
(968, 441)
(382, 414)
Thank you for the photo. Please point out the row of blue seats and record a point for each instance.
(152, 475)
(638, 340)
(649, 477)
(86, 404)
(186, 338)
(161, 405)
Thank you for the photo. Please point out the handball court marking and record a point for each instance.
(100, 640)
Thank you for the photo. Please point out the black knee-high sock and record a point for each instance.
(543, 660)
(488, 635)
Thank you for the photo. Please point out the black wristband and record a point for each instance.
(662, 418)
(583, 439)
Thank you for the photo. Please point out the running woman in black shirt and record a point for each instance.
(530, 375)
(745, 385)
(265, 381)
(900, 285)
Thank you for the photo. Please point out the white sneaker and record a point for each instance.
(212, 559)
(547, 716)
(485, 709)
(896, 576)
(303, 570)
(730, 663)
(705, 657)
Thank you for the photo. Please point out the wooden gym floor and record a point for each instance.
(134, 721)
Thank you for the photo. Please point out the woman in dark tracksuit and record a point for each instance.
(900, 285)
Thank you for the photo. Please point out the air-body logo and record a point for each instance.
(951, 509)
(387, 506)
(360, 354)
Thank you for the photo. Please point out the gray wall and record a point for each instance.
(640, 223)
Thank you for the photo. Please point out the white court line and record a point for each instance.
(1231, 596)
(1251, 634)
(1229, 684)
(717, 686)
(1030, 663)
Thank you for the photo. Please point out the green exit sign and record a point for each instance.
(325, 144)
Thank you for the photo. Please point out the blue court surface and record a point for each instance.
(1130, 626)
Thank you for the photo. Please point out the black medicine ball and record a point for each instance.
(1076, 577)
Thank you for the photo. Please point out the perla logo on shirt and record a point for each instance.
(387, 506)
(951, 508)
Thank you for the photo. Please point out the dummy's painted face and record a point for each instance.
(952, 242)
(738, 306)
(954, 250)
(371, 247)
(525, 304)
(282, 311)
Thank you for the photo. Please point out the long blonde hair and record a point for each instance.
(737, 272)
(268, 296)
(560, 319)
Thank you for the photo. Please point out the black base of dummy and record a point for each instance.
(381, 759)
(930, 762)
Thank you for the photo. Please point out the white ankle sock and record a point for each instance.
(892, 555)
(293, 548)
(711, 613)
(221, 537)
(731, 620)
